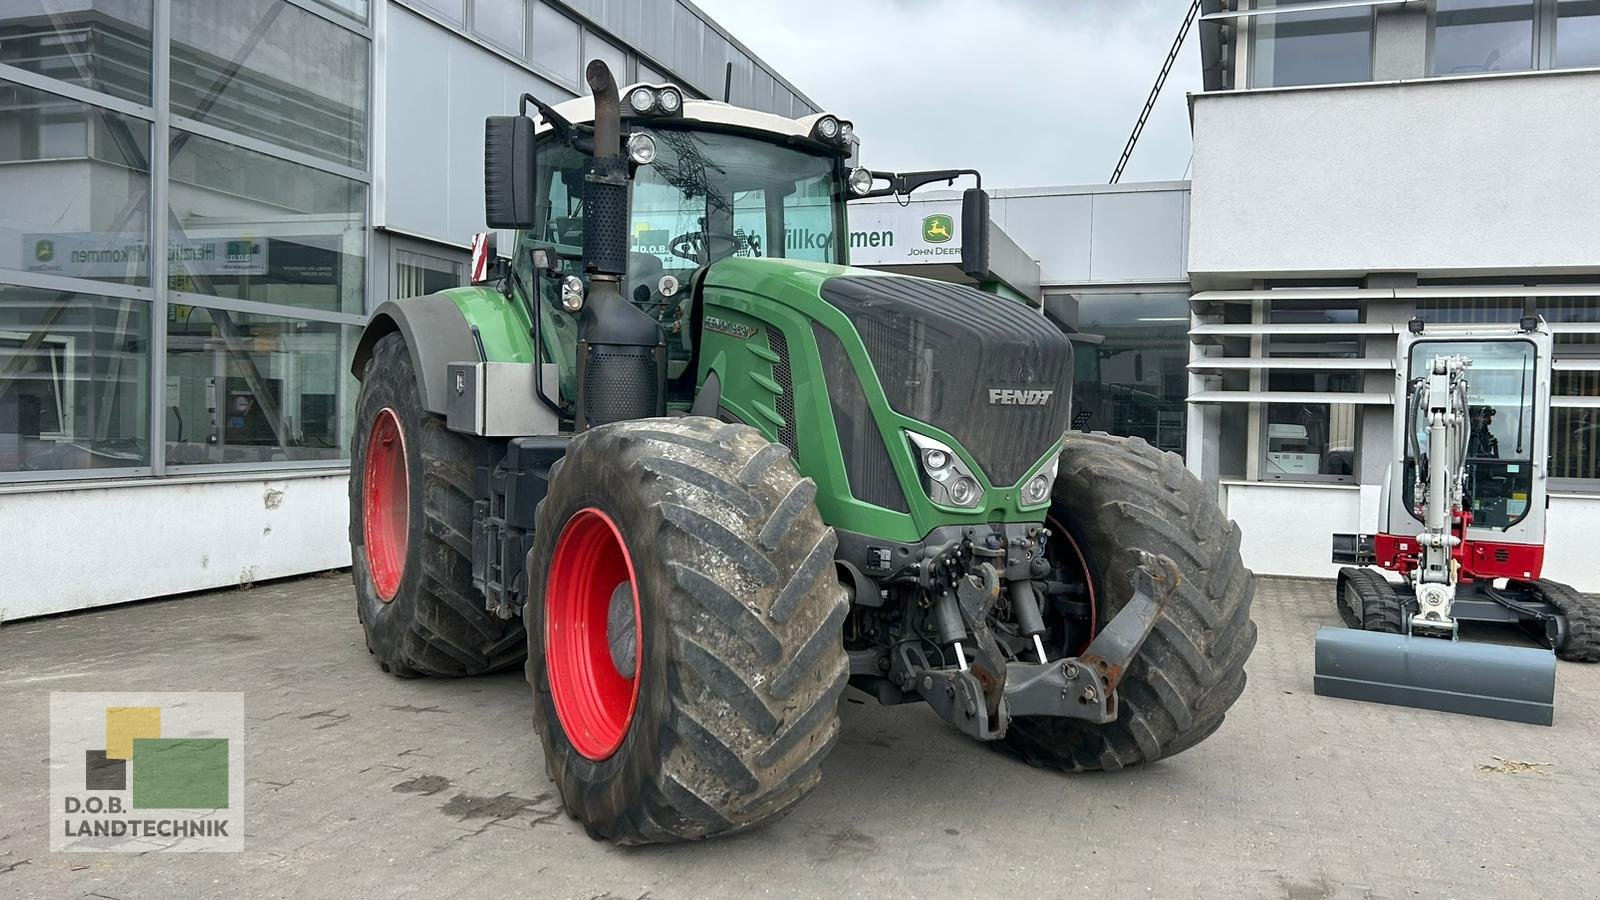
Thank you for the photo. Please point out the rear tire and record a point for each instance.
(737, 654)
(420, 611)
(1116, 497)
(1582, 612)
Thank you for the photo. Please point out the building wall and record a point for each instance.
(175, 422)
(102, 543)
(1356, 167)
(1436, 176)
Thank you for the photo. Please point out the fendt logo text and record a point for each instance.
(1019, 396)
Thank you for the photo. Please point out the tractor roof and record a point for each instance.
(581, 109)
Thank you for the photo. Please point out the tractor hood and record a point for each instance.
(991, 373)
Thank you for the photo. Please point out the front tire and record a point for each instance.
(1113, 498)
(411, 533)
(687, 631)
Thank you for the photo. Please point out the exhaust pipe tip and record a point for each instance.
(599, 77)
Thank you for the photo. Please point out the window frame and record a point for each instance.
(1253, 39)
(573, 77)
(1309, 349)
(1546, 34)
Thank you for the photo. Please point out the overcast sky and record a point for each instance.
(1029, 92)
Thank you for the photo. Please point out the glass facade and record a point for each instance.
(102, 45)
(74, 382)
(246, 387)
(1312, 441)
(1577, 33)
(1308, 42)
(1129, 369)
(1324, 46)
(253, 227)
(1482, 36)
(76, 183)
(239, 357)
(269, 70)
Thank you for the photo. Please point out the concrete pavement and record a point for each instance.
(359, 784)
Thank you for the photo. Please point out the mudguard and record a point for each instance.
(436, 334)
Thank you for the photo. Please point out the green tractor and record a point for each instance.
(701, 475)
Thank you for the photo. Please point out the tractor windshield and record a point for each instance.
(707, 196)
(1500, 390)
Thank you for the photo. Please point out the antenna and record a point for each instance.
(727, 83)
(1150, 102)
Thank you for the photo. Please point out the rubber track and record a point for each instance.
(1370, 601)
(1582, 612)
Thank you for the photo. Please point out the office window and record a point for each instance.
(1325, 46)
(1130, 372)
(1574, 431)
(1577, 33)
(1468, 310)
(103, 46)
(254, 227)
(246, 387)
(556, 41)
(1482, 36)
(500, 23)
(1312, 441)
(269, 70)
(416, 274)
(74, 188)
(74, 381)
(596, 47)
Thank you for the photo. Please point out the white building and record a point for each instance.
(1357, 163)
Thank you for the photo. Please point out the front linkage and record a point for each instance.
(980, 696)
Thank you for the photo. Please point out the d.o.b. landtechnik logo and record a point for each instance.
(147, 771)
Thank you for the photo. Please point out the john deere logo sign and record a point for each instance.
(936, 229)
(44, 251)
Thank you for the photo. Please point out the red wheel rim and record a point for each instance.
(386, 504)
(594, 701)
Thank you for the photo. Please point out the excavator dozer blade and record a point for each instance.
(1474, 679)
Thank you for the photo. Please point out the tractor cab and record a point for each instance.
(708, 182)
(698, 182)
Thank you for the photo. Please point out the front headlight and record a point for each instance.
(1036, 491)
(642, 148)
(945, 478)
(964, 492)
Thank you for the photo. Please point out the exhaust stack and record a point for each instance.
(622, 354)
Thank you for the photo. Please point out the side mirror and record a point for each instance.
(975, 233)
(508, 172)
